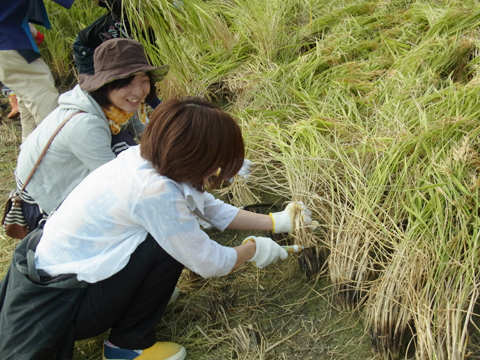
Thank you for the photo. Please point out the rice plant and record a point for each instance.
(57, 48)
(365, 111)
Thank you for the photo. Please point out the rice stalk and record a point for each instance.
(56, 49)
(366, 112)
(446, 303)
(8, 135)
(249, 342)
(390, 306)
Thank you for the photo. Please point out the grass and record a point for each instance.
(367, 112)
(9, 142)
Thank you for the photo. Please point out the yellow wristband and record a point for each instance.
(273, 222)
(247, 240)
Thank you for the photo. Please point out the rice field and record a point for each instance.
(368, 112)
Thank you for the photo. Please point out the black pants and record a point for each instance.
(131, 302)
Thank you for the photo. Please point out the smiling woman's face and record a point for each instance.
(130, 97)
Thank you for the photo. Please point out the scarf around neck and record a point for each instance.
(117, 117)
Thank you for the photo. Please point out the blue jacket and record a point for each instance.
(14, 30)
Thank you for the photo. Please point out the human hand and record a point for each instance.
(245, 170)
(284, 221)
(33, 30)
(267, 251)
(37, 35)
(39, 38)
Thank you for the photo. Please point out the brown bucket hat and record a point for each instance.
(118, 59)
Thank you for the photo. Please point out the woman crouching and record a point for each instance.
(111, 255)
(107, 114)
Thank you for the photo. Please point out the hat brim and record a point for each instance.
(94, 82)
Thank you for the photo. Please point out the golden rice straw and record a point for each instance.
(250, 342)
(391, 303)
(350, 265)
(239, 193)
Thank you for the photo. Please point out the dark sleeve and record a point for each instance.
(67, 4)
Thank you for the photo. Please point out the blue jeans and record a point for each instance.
(83, 58)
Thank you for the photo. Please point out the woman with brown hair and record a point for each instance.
(118, 243)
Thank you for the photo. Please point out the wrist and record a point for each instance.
(250, 247)
(281, 222)
(273, 222)
(245, 252)
(39, 38)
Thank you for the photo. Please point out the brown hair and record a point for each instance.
(189, 139)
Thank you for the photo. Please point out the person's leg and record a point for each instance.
(34, 85)
(14, 113)
(26, 119)
(12, 98)
(131, 302)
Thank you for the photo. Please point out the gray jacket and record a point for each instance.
(83, 144)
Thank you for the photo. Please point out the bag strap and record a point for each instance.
(42, 154)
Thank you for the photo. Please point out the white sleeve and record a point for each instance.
(166, 216)
(216, 212)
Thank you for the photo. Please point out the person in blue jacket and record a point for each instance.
(20, 65)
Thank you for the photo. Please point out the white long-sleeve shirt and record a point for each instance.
(105, 218)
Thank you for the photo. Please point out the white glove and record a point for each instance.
(267, 252)
(284, 221)
(245, 170)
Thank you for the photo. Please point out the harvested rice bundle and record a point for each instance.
(445, 305)
(312, 259)
(393, 298)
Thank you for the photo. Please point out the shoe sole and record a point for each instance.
(181, 355)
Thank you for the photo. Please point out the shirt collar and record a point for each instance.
(195, 199)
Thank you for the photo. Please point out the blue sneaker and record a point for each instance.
(159, 351)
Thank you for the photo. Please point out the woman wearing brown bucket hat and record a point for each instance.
(109, 115)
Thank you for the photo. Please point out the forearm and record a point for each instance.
(247, 220)
(244, 252)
